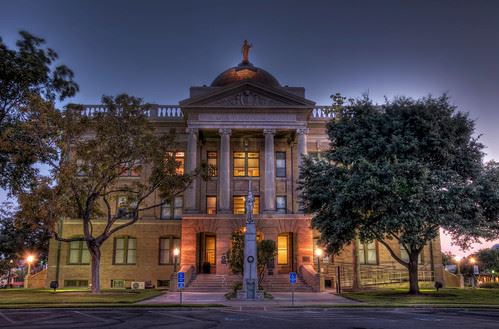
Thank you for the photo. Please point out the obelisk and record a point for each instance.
(250, 279)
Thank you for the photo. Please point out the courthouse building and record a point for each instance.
(251, 129)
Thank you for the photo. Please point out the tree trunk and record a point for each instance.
(95, 254)
(356, 284)
(413, 273)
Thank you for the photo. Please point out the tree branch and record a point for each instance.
(393, 254)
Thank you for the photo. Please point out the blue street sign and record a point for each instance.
(292, 277)
(180, 285)
(181, 277)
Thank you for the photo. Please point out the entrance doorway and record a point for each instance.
(206, 252)
(286, 253)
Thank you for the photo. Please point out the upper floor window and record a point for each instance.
(280, 204)
(123, 209)
(180, 160)
(246, 164)
(131, 169)
(78, 253)
(172, 210)
(368, 253)
(280, 164)
(166, 247)
(240, 202)
(212, 162)
(211, 205)
(125, 250)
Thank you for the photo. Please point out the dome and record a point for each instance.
(245, 71)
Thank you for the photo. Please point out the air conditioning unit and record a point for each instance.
(138, 285)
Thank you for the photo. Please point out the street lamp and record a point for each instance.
(176, 251)
(318, 254)
(473, 261)
(458, 263)
(30, 260)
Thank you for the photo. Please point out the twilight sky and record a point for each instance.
(158, 49)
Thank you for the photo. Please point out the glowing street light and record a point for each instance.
(176, 252)
(318, 254)
(30, 259)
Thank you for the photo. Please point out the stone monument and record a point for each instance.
(250, 277)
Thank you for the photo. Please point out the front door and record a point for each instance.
(206, 252)
(210, 252)
(285, 253)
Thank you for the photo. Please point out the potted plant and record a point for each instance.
(206, 267)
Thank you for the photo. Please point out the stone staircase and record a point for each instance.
(223, 283)
(212, 283)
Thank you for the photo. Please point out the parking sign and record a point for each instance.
(292, 277)
(180, 280)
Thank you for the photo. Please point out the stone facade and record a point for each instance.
(245, 127)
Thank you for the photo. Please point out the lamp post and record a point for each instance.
(10, 272)
(29, 260)
(176, 252)
(318, 254)
(473, 262)
(458, 263)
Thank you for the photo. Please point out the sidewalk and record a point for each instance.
(280, 299)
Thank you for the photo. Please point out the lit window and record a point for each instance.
(282, 249)
(166, 248)
(179, 158)
(131, 169)
(78, 253)
(368, 253)
(246, 164)
(125, 250)
(211, 205)
(280, 204)
(172, 210)
(212, 163)
(240, 208)
(280, 164)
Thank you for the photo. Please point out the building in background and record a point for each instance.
(250, 128)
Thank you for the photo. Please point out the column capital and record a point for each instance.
(269, 131)
(302, 131)
(192, 131)
(225, 131)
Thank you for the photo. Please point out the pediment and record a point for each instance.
(248, 94)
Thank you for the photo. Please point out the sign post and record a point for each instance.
(180, 283)
(292, 282)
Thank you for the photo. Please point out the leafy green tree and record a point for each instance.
(235, 255)
(399, 172)
(19, 239)
(94, 152)
(488, 260)
(267, 251)
(30, 83)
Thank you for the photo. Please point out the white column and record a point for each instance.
(223, 199)
(302, 143)
(190, 195)
(269, 203)
(302, 150)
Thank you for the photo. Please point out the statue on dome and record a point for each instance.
(245, 50)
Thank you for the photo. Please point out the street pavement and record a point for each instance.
(250, 317)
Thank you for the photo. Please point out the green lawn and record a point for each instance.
(445, 297)
(46, 297)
